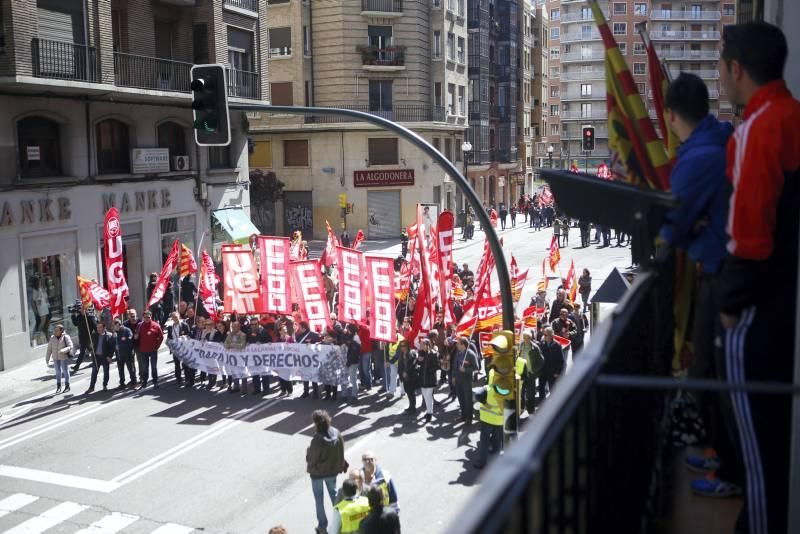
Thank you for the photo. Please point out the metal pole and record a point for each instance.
(438, 157)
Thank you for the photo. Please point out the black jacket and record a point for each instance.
(553, 358)
(353, 353)
(409, 366)
(109, 343)
(325, 454)
(555, 308)
(86, 327)
(428, 366)
(183, 329)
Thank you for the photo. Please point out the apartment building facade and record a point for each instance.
(398, 59)
(685, 33)
(95, 102)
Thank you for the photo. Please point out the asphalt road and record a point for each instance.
(172, 460)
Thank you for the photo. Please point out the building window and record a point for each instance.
(729, 10)
(240, 49)
(51, 287)
(437, 44)
(639, 49)
(554, 110)
(554, 129)
(383, 151)
(306, 41)
(555, 14)
(620, 8)
(555, 91)
(620, 28)
(555, 52)
(451, 46)
(219, 157)
(462, 101)
(437, 3)
(586, 89)
(280, 42)
(461, 51)
(262, 155)
(113, 147)
(379, 37)
(437, 143)
(639, 68)
(200, 43)
(555, 33)
(640, 10)
(623, 48)
(171, 135)
(281, 94)
(448, 148)
(295, 153)
(451, 98)
(380, 95)
(39, 145)
(586, 110)
(437, 94)
(555, 72)
(457, 147)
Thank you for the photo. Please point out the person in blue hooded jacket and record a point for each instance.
(697, 225)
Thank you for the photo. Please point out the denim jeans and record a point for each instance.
(62, 369)
(391, 380)
(352, 370)
(366, 370)
(319, 497)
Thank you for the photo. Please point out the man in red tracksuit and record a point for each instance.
(148, 337)
(758, 282)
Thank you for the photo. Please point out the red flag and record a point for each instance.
(311, 294)
(570, 275)
(413, 257)
(187, 264)
(529, 317)
(546, 199)
(357, 241)
(328, 257)
(163, 278)
(517, 279)
(484, 315)
(115, 273)
(93, 293)
(493, 218)
(402, 283)
(242, 292)
(382, 324)
(276, 296)
(207, 285)
(421, 323)
(444, 231)
(555, 254)
(352, 301)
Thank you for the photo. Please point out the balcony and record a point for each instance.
(670, 35)
(398, 113)
(595, 74)
(383, 59)
(151, 73)
(579, 17)
(281, 51)
(246, 7)
(711, 55)
(580, 37)
(382, 8)
(63, 60)
(577, 57)
(243, 84)
(577, 95)
(586, 116)
(705, 74)
(664, 14)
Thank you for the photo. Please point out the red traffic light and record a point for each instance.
(587, 133)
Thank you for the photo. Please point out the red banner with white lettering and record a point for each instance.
(382, 322)
(275, 286)
(93, 293)
(115, 272)
(311, 297)
(242, 292)
(444, 231)
(207, 285)
(352, 298)
(163, 278)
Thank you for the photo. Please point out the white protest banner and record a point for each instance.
(324, 364)
(352, 305)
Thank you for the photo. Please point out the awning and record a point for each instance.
(235, 223)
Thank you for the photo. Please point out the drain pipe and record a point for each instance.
(311, 50)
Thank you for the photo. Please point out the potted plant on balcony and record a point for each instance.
(369, 54)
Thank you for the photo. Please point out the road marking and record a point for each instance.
(15, 502)
(58, 479)
(172, 528)
(110, 524)
(48, 519)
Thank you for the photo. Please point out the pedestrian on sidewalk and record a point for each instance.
(428, 362)
(149, 336)
(104, 350)
(503, 216)
(124, 339)
(513, 216)
(85, 322)
(60, 348)
(324, 461)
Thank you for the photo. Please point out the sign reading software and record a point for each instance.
(383, 178)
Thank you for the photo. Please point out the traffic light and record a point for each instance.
(212, 126)
(588, 138)
(503, 362)
(343, 200)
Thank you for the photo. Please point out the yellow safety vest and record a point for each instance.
(384, 487)
(352, 512)
(520, 367)
(492, 410)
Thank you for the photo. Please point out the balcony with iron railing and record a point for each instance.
(383, 59)
(575, 134)
(245, 5)
(63, 60)
(577, 57)
(385, 8)
(579, 75)
(705, 74)
(666, 14)
(243, 84)
(596, 114)
(598, 94)
(397, 113)
(675, 35)
(144, 72)
(566, 18)
(580, 37)
(711, 55)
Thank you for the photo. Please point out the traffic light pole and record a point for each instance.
(444, 163)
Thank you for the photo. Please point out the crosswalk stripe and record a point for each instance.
(172, 528)
(48, 519)
(110, 524)
(15, 502)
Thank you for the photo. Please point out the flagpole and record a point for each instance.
(197, 262)
(91, 341)
(642, 29)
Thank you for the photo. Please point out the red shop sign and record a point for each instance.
(383, 178)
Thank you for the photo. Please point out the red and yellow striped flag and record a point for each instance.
(187, 264)
(631, 134)
(659, 81)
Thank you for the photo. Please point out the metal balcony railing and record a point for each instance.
(577, 95)
(63, 60)
(243, 84)
(398, 113)
(145, 72)
(670, 35)
(598, 55)
(592, 115)
(580, 36)
(579, 17)
(249, 5)
(382, 6)
(706, 74)
(596, 74)
(665, 14)
(394, 56)
(689, 54)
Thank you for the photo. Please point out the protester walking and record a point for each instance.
(105, 347)
(409, 374)
(428, 363)
(149, 336)
(465, 366)
(324, 461)
(59, 347)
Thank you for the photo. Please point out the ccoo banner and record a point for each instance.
(381, 302)
(311, 294)
(352, 305)
(276, 294)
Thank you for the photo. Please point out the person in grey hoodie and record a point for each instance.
(324, 461)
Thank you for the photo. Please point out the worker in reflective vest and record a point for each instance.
(375, 476)
(491, 415)
(350, 511)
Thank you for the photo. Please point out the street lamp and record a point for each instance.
(550, 151)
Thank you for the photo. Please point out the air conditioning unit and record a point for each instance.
(180, 163)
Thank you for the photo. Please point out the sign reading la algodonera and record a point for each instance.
(383, 178)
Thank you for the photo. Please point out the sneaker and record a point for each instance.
(707, 462)
(711, 486)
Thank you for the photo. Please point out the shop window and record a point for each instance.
(383, 151)
(113, 147)
(281, 94)
(262, 155)
(39, 145)
(171, 135)
(219, 157)
(51, 291)
(172, 228)
(295, 153)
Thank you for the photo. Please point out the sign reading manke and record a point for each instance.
(383, 178)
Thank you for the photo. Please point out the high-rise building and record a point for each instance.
(398, 59)
(685, 34)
